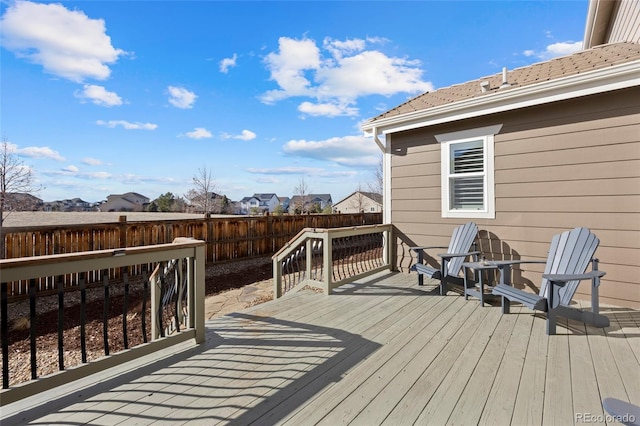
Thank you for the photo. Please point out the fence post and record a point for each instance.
(122, 227)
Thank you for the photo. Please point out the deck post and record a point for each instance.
(200, 292)
(327, 273)
(277, 278)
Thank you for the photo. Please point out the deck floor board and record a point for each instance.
(380, 351)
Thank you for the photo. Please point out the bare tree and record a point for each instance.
(359, 200)
(377, 185)
(202, 195)
(16, 184)
(301, 191)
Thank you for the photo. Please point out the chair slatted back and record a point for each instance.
(570, 253)
(461, 241)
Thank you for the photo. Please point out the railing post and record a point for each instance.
(277, 278)
(199, 292)
(328, 262)
(390, 248)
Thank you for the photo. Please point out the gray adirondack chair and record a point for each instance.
(460, 247)
(569, 256)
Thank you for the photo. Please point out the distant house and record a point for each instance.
(129, 202)
(284, 202)
(359, 201)
(259, 203)
(69, 205)
(309, 203)
(19, 201)
(526, 154)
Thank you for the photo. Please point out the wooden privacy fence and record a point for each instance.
(227, 238)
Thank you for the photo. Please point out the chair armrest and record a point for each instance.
(563, 278)
(502, 263)
(450, 255)
(418, 248)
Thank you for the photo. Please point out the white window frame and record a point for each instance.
(486, 135)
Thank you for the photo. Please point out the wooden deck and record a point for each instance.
(383, 351)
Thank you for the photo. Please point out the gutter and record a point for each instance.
(598, 22)
(599, 81)
(378, 141)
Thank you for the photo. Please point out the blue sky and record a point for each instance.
(107, 97)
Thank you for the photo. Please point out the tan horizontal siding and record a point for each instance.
(568, 136)
(569, 188)
(575, 172)
(559, 158)
(559, 204)
(416, 170)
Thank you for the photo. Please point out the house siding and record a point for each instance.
(557, 166)
(626, 22)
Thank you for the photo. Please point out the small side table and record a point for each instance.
(481, 290)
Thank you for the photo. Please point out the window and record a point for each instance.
(467, 173)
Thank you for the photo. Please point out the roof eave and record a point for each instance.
(588, 83)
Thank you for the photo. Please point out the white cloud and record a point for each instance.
(180, 97)
(246, 135)
(336, 80)
(91, 161)
(99, 95)
(288, 67)
(67, 43)
(555, 50)
(199, 133)
(302, 171)
(127, 125)
(71, 169)
(340, 48)
(39, 152)
(227, 63)
(346, 151)
(327, 109)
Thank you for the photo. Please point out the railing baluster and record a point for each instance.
(125, 307)
(83, 317)
(161, 280)
(178, 285)
(105, 311)
(60, 285)
(145, 284)
(4, 327)
(32, 327)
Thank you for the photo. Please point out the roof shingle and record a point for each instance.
(587, 60)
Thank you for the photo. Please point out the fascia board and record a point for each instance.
(594, 82)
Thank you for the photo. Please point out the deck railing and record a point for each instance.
(175, 290)
(328, 258)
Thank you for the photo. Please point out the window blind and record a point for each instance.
(467, 176)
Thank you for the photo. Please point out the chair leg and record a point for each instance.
(551, 322)
(506, 303)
